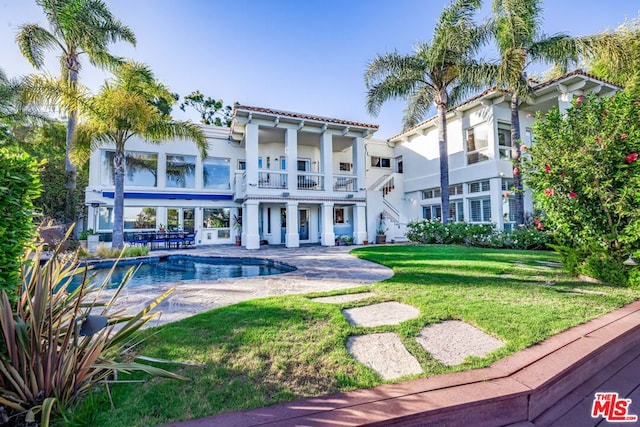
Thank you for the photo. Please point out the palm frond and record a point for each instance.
(418, 105)
(33, 41)
(163, 130)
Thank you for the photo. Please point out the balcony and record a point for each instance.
(345, 183)
(311, 181)
(272, 179)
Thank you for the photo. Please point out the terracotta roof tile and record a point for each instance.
(302, 116)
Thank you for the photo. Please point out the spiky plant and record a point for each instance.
(48, 357)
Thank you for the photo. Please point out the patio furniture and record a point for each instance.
(189, 240)
(175, 238)
(159, 239)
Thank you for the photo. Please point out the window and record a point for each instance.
(346, 167)
(431, 193)
(259, 162)
(216, 217)
(507, 184)
(480, 210)
(107, 167)
(478, 186)
(455, 190)
(380, 162)
(180, 219)
(283, 163)
(135, 218)
(141, 169)
(338, 216)
(504, 140)
(242, 165)
(432, 212)
(399, 165)
(509, 208)
(456, 211)
(139, 218)
(304, 165)
(528, 137)
(216, 173)
(181, 171)
(477, 144)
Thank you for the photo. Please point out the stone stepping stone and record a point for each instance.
(384, 313)
(337, 299)
(385, 354)
(452, 341)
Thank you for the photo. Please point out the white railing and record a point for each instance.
(311, 181)
(272, 179)
(345, 183)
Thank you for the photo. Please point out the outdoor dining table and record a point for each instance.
(157, 238)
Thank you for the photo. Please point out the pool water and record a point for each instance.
(178, 268)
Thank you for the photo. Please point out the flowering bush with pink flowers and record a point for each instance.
(584, 172)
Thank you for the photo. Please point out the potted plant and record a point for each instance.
(237, 225)
(345, 240)
(161, 228)
(381, 237)
(84, 234)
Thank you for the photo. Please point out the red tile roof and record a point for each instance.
(302, 116)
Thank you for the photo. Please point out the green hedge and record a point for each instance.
(19, 186)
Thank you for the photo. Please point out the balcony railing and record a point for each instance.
(311, 181)
(344, 183)
(272, 179)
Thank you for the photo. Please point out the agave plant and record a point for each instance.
(48, 357)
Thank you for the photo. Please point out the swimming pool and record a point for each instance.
(178, 268)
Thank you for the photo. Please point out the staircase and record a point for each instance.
(396, 224)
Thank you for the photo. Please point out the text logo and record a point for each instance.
(612, 408)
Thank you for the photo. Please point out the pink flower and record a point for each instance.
(523, 148)
(579, 100)
(549, 192)
(563, 175)
(632, 157)
(516, 171)
(596, 139)
(623, 136)
(540, 226)
(547, 168)
(506, 194)
(573, 195)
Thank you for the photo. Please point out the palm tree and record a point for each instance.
(126, 106)
(517, 30)
(77, 27)
(13, 108)
(438, 73)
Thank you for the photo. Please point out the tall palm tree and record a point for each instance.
(517, 29)
(437, 73)
(77, 27)
(126, 106)
(13, 108)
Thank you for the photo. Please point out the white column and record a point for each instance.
(291, 152)
(359, 162)
(326, 146)
(251, 152)
(327, 236)
(162, 171)
(292, 236)
(359, 223)
(250, 220)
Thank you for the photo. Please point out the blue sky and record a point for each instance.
(305, 56)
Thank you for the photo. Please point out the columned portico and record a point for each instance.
(359, 223)
(328, 237)
(292, 236)
(252, 234)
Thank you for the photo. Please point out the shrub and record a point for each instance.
(50, 359)
(19, 186)
(584, 173)
(104, 252)
(483, 235)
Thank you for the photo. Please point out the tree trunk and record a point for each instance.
(516, 154)
(444, 160)
(69, 168)
(118, 199)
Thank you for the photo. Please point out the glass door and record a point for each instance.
(303, 229)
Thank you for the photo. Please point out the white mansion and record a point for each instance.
(291, 178)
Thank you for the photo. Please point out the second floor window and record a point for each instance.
(431, 193)
(477, 142)
(181, 171)
(504, 140)
(380, 162)
(140, 169)
(479, 186)
(216, 173)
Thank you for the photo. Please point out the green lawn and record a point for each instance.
(265, 351)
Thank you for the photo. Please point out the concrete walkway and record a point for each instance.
(318, 269)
